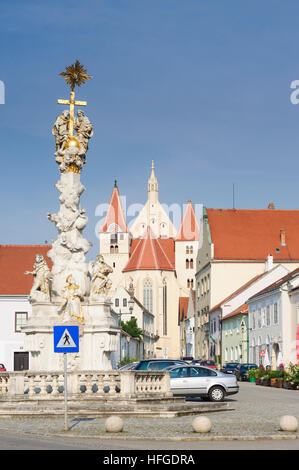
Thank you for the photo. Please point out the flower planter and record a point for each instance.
(266, 383)
(273, 382)
(257, 381)
(278, 384)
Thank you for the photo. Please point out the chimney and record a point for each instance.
(283, 237)
(271, 205)
(269, 263)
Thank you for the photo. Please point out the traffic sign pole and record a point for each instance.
(66, 340)
(65, 392)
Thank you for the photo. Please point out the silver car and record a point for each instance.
(199, 381)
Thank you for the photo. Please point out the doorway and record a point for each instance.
(21, 360)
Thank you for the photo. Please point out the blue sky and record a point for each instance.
(200, 86)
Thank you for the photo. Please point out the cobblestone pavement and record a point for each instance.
(255, 413)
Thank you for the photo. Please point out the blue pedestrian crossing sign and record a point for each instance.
(66, 338)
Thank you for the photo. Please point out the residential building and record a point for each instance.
(15, 308)
(273, 320)
(235, 244)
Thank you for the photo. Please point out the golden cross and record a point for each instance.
(72, 104)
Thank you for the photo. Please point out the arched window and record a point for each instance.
(191, 283)
(187, 264)
(111, 249)
(191, 250)
(187, 250)
(148, 295)
(191, 263)
(188, 283)
(116, 249)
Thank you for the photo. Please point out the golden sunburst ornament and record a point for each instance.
(75, 75)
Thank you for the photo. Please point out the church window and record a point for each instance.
(113, 238)
(112, 249)
(148, 295)
(187, 250)
(191, 284)
(191, 250)
(191, 263)
(188, 283)
(187, 264)
(164, 310)
(116, 249)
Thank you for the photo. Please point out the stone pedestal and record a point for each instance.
(97, 338)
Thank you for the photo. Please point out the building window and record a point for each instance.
(148, 295)
(188, 283)
(253, 321)
(191, 250)
(187, 264)
(275, 315)
(268, 315)
(20, 320)
(116, 302)
(113, 238)
(124, 302)
(259, 319)
(187, 250)
(191, 263)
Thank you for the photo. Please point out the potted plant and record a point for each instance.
(294, 376)
(251, 374)
(260, 372)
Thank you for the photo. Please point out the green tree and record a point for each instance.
(131, 328)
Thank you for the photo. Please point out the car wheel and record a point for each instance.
(216, 394)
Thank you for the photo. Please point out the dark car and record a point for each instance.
(158, 364)
(242, 369)
(229, 367)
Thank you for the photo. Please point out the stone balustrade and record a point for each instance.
(85, 384)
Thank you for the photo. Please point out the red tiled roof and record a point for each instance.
(278, 283)
(183, 307)
(115, 213)
(14, 261)
(242, 309)
(189, 228)
(241, 234)
(151, 253)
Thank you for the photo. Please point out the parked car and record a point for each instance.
(198, 381)
(2, 368)
(242, 369)
(130, 366)
(188, 359)
(158, 364)
(208, 363)
(229, 367)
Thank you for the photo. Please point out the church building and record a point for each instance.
(153, 259)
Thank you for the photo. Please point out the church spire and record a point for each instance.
(152, 186)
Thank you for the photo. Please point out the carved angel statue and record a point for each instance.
(99, 271)
(41, 284)
(72, 307)
(84, 129)
(60, 130)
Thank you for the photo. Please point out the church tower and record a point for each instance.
(115, 239)
(186, 248)
(153, 215)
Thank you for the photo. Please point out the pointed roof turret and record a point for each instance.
(189, 228)
(149, 253)
(115, 219)
(152, 185)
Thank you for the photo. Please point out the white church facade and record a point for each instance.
(154, 259)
